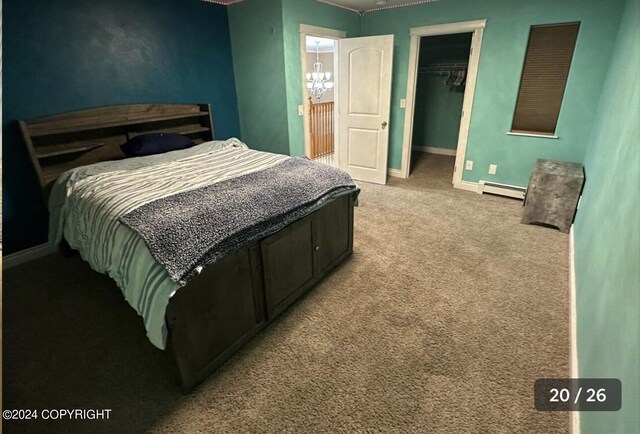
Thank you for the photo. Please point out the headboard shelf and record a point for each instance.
(100, 124)
(61, 142)
(185, 131)
(58, 151)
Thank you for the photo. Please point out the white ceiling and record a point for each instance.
(354, 5)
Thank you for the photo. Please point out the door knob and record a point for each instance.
(384, 124)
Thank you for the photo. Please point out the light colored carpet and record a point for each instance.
(441, 321)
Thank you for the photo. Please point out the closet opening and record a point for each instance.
(441, 81)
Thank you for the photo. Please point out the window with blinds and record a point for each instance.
(544, 78)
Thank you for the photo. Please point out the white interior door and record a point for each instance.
(363, 106)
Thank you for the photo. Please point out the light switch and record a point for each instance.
(403, 102)
(492, 169)
(300, 110)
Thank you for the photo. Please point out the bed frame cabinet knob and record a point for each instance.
(317, 248)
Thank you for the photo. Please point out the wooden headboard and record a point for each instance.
(61, 142)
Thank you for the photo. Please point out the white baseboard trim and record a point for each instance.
(467, 186)
(27, 255)
(435, 150)
(573, 326)
(396, 173)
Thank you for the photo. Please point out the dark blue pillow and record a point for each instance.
(155, 143)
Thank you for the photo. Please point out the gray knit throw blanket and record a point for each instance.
(190, 230)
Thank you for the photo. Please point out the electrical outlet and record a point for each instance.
(300, 110)
(492, 169)
(469, 165)
(403, 103)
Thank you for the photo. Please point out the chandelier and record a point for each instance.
(318, 81)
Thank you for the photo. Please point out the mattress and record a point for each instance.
(86, 203)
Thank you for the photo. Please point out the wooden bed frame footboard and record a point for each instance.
(232, 301)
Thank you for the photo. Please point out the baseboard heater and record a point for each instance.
(501, 189)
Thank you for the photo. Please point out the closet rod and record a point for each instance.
(444, 67)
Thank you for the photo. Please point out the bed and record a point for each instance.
(207, 308)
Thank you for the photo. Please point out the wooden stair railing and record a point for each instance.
(321, 128)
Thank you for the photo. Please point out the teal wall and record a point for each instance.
(501, 60)
(64, 55)
(314, 13)
(258, 63)
(265, 40)
(436, 119)
(607, 237)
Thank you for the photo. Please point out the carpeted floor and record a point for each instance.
(441, 321)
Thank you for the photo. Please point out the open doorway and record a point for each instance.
(476, 30)
(308, 35)
(443, 62)
(320, 80)
(360, 115)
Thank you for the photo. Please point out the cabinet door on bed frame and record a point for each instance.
(216, 314)
(297, 257)
(287, 259)
(332, 238)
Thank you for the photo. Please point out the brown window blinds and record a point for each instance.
(544, 77)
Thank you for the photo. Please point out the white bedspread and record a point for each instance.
(86, 203)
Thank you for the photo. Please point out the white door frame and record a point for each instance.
(476, 27)
(323, 32)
